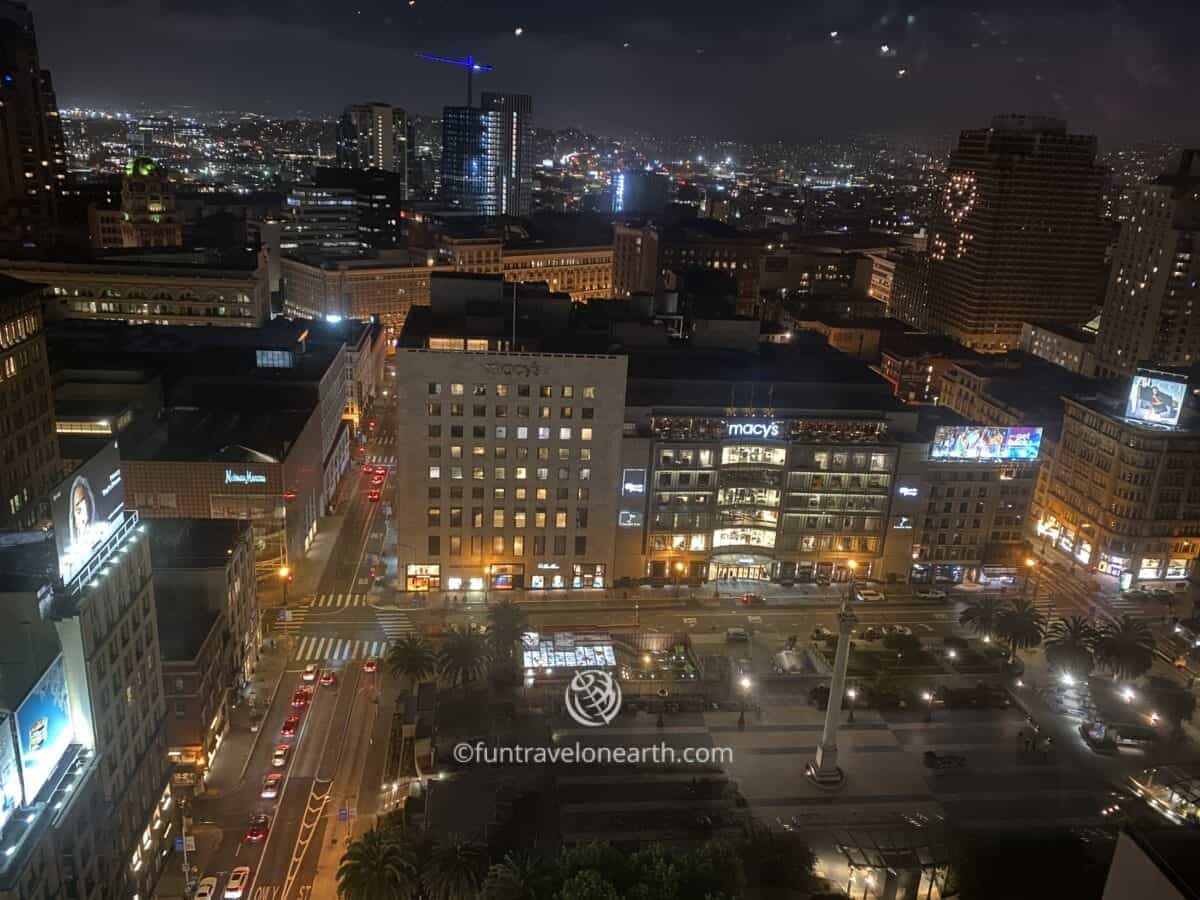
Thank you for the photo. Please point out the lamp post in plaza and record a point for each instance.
(852, 693)
(823, 769)
(1031, 571)
(285, 576)
(678, 574)
(745, 684)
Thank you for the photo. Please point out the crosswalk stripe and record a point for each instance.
(300, 651)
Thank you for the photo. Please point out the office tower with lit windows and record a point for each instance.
(1152, 305)
(511, 115)
(373, 136)
(487, 155)
(1016, 235)
(29, 461)
(32, 153)
(640, 193)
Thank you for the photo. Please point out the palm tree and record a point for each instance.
(982, 615)
(412, 657)
(464, 655)
(1125, 648)
(455, 871)
(520, 876)
(377, 866)
(1069, 645)
(1021, 624)
(507, 622)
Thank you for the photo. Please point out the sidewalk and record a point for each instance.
(171, 884)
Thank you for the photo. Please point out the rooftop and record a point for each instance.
(194, 543)
(1070, 332)
(184, 622)
(218, 435)
(15, 289)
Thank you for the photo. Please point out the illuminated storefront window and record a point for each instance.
(749, 496)
(422, 578)
(1084, 552)
(1113, 565)
(752, 454)
(743, 537)
(1151, 567)
(1177, 568)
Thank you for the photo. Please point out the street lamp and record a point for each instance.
(927, 696)
(1031, 566)
(678, 575)
(852, 565)
(285, 575)
(744, 683)
(852, 693)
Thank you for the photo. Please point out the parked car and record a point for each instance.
(929, 594)
(821, 633)
(270, 786)
(236, 885)
(897, 629)
(280, 757)
(206, 889)
(737, 633)
(868, 595)
(870, 633)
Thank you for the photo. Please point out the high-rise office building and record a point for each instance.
(512, 117)
(1152, 306)
(321, 219)
(640, 193)
(373, 136)
(29, 462)
(32, 154)
(487, 155)
(1016, 235)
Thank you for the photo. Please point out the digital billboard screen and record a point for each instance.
(86, 507)
(44, 728)
(10, 774)
(1156, 399)
(986, 443)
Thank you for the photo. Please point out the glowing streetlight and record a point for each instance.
(852, 694)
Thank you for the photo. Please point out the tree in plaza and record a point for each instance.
(587, 884)
(1021, 625)
(981, 616)
(464, 655)
(712, 870)
(520, 876)
(454, 871)
(1125, 648)
(777, 859)
(1069, 645)
(613, 866)
(412, 657)
(378, 866)
(506, 623)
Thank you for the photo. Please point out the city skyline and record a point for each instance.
(1118, 74)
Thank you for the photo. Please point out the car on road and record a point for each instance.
(930, 594)
(371, 665)
(290, 724)
(206, 889)
(373, 495)
(821, 633)
(270, 786)
(378, 479)
(737, 633)
(235, 887)
(280, 757)
(300, 699)
(752, 600)
(897, 629)
(867, 595)
(310, 672)
(870, 633)
(256, 831)
(328, 679)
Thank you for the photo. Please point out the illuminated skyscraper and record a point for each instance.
(373, 136)
(1152, 306)
(487, 164)
(32, 158)
(1017, 234)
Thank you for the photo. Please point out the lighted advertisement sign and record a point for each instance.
(986, 443)
(86, 509)
(752, 429)
(10, 774)
(44, 728)
(1155, 398)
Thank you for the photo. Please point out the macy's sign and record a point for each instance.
(752, 429)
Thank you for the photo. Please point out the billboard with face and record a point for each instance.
(986, 443)
(10, 773)
(1155, 398)
(44, 728)
(86, 507)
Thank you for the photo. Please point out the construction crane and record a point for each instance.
(467, 63)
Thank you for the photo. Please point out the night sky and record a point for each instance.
(749, 69)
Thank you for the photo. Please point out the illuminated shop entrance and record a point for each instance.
(740, 568)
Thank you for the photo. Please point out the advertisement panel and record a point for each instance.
(10, 775)
(86, 507)
(44, 728)
(986, 443)
(1155, 398)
